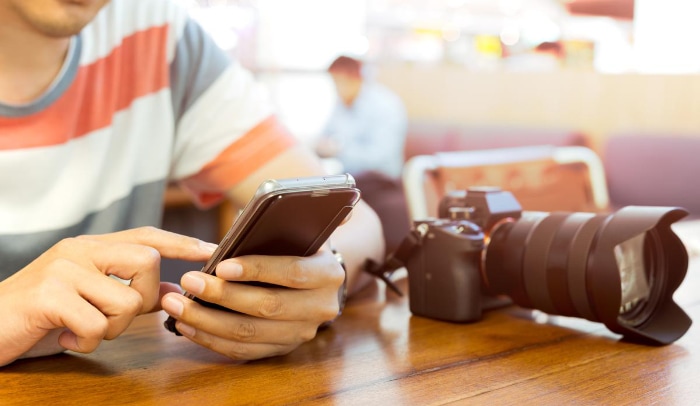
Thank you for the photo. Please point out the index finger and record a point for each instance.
(168, 244)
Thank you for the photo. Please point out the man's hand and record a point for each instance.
(271, 320)
(64, 300)
(327, 148)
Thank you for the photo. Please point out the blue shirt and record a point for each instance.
(371, 132)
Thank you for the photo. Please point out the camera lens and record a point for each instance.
(620, 269)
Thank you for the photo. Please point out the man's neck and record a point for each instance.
(29, 63)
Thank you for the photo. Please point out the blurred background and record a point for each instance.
(623, 64)
(621, 77)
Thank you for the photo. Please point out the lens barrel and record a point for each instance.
(620, 269)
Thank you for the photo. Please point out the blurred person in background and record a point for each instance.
(366, 132)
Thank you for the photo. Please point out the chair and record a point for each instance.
(653, 170)
(542, 178)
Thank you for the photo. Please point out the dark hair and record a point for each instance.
(554, 47)
(346, 65)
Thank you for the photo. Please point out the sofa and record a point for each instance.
(425, 137)
(652, 169)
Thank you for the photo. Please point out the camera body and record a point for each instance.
(446, 268)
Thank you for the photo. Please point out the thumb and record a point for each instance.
(165, 288)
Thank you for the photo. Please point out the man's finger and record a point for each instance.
(87, 326)
(168, 244)
(138, 263)
(313, 272)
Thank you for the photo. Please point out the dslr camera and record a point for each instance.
(484, 251)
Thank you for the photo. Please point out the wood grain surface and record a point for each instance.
(378, 353)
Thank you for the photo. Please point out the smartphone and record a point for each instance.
(292, 216)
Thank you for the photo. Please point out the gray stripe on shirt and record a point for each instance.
(197, 64)
(143, 207)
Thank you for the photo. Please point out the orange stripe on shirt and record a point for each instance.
(136, 68)
(246, 155)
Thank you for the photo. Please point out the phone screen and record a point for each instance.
(294, 223)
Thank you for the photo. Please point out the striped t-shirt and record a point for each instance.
(144, 98)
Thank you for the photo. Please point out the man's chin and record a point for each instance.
(60, 18)
(62, 29)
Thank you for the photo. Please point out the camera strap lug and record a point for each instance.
(394, 260)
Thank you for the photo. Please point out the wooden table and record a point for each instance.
(377, 353)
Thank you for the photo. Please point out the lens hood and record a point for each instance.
(667, 260)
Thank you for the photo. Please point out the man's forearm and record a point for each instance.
(357, 240)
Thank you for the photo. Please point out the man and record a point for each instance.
(366, 131)
(101, 105)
